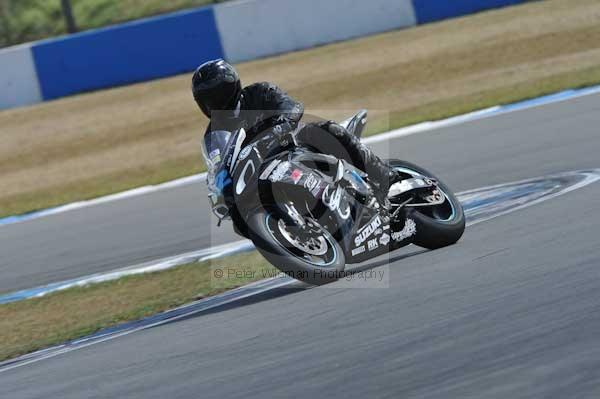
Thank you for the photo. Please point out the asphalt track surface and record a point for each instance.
(512, 311)
(114, 235)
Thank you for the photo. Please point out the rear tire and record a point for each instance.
(439, 228)
(264, 231)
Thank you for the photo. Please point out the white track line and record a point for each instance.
(591, 176)
(146, 267)
(247, 291)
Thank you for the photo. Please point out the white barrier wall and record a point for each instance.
(175, 43)
(257, 28)
(18, 78)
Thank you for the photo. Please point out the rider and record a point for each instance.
(263, 107)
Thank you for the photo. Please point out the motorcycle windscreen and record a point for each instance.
(216, 144)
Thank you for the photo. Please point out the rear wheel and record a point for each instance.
(437, 225)
(308, 253)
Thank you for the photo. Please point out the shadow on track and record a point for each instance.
(385, 261)
(289, 290)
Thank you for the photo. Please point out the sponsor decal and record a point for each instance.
(409, 230)
(315, 192)
(241, 183)
(245, 152)
(373, 244)
(366, 231)
(296, 175)
(215, 156)
(279, 172)
(269, 169)
(384, 239)
(333, 203)
(311, 182)
(359, 250)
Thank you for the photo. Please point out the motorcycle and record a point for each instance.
(309, 214)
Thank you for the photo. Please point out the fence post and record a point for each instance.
(68, 13)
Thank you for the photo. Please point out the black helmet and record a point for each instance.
(216, 86)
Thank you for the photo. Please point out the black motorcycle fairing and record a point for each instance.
(245, 183)
(220, 150)
(307, 212)
(300, 184)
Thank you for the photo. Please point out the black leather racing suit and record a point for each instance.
(264, 106)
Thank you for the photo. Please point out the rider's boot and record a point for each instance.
(379, 173)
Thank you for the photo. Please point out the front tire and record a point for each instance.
(318, 260)
(439, 226)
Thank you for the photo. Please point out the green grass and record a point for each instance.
(98, 187)
(501, 96)
(27, 20)
(34, 324)
(98, 143)
(181, 167)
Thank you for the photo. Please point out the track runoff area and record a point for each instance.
(550, 241)
(123, 263)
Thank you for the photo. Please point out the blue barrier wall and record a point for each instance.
(176, 43)
(137, 51)
(435, 10)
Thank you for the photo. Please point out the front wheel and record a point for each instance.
(308, 253)
(437, 226)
